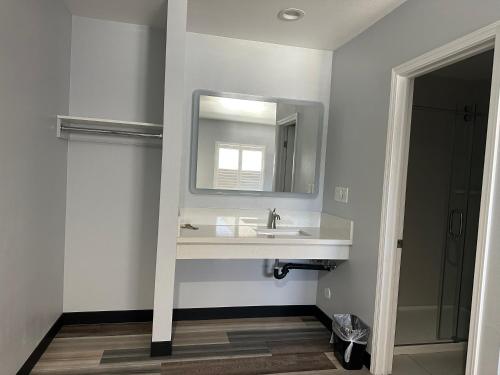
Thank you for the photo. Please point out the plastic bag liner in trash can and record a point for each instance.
(352, 338)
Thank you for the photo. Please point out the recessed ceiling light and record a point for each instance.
(291, 14)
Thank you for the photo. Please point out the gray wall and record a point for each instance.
(34, 76)
(358, 129)
(117, 72)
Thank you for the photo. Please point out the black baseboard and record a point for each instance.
(101, 317)
(323, 318)
(130, 316)
(240, 312)
(41, 347)
(161, 348)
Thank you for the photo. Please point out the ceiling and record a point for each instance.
(239, 110)
(141, 12)
(475, 68)
(327, 24)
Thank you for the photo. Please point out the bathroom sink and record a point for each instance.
(281, 232)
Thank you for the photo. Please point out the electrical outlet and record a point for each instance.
(328, 293)
(341, 194)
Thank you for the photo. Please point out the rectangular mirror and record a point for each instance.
(254, 145)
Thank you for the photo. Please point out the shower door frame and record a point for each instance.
(393, 202)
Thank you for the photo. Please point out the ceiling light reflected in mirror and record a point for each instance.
(242, 110)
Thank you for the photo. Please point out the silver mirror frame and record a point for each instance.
(194, 146)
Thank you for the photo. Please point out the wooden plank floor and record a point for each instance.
(291, 345)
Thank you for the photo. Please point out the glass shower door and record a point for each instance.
(459, 255)
(471, 225)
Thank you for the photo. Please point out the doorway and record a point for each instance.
(443, 194)
(285, 154)
(393, 202)
(441, 215)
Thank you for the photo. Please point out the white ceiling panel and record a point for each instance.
(327, 24)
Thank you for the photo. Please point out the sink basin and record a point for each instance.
(281, 232)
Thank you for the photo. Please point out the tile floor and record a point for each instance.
(446, 363)
(418, 327)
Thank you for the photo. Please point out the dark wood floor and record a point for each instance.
(298, 345)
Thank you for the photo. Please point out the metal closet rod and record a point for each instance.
(113, 132)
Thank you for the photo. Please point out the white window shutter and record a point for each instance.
(226, 179)
(238, 179)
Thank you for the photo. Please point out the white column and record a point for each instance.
(174, 121)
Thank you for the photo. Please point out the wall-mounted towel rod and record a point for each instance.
(112, 132)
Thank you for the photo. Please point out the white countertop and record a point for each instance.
(246, 234)
(231, 234)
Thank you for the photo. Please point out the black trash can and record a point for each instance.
(349, 338)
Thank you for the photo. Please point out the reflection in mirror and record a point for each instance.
(253, 144)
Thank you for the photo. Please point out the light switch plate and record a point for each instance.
(341, 194)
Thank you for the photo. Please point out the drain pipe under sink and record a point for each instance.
(285, 268)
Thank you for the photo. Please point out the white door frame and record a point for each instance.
(391, 227)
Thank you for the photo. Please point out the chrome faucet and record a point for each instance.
(271, 219)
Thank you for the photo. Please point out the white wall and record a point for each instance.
(255, 68)
(247, 67)
(357, 139)
(113, 192)
(117, 71)
(173, 119)
(34, 76)
(218, 283)
(111, 226)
